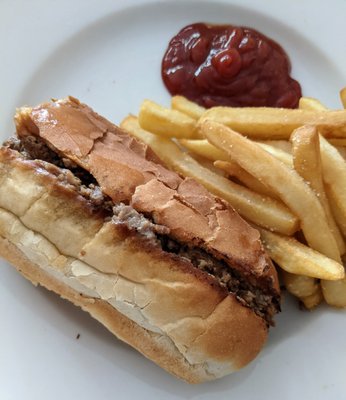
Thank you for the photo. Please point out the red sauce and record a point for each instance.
(229, 65)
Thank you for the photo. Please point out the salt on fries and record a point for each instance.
(333, 292)
(261, 210)
(277, 123)
(307, 175)
(297, 258)
(307, 162)
(309, 103)
(283, 145)
(223, 162)
(234, 170)
(277, 153)
(284, 181)
(334, 169)
(334, 175)
(337, 210)
(294, 192)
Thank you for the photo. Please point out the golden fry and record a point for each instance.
(283, 145)
(308, 290)
(342, 151)
(313, 300)
(337, 209)
(334, 292)
(244, 177)
(282, 180)
(188, 107)
(299, 285)
(320, 204)
(259, 209)
(203, 148)
(333, 162)
(166, 122)
(277, 153)
(277, 123)
(307, 162)
(343, 96)
(209, 164)
(334, 176)
(341, 142)
(310, 103)
(296, 258)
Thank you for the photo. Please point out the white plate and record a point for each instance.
(108, 54)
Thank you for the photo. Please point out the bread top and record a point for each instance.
(128, 170)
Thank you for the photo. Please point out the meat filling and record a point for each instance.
(263, 302)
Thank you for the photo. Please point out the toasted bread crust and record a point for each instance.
(150, 344)
(171, 312)
(75, 131)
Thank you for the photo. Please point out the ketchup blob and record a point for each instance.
(230, 66)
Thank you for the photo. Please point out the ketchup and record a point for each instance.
(229, 65)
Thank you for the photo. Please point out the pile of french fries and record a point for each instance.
(283, 170)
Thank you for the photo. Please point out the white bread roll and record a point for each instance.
(157, 301)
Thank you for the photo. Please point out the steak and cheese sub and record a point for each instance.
(91, 213)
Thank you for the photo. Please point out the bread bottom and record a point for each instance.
(154, 346)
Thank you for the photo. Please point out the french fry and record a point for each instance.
(307, 162)
(296, 258)
(272, 128)
(299, 285)
(222, 161)
(335, 295)
(166, 122)
(331, 164)
(334, 176)
(343, 96)
(308, 290)
(244, 177)
(203, 148)
(338, 142)
(342, 151)
(335, 292)
(284, 181)
(182, 104)
(277, 153)
(259, 209)
(277, 123)
(337, 210)
(313, 300)
(310, 103)
(209, 164)
(283, 145)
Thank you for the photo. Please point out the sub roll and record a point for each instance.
(91, 213)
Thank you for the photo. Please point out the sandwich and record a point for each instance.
(91, 213)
